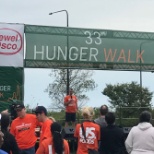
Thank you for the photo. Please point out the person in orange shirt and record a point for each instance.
(41, 114)
(23, 128)
(55, 144)
(92, 132)
(70, 102)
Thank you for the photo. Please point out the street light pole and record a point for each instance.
(142, 43)
(67, 70)
(141, 75)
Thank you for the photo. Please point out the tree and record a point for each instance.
(80, 81)
(129, 99)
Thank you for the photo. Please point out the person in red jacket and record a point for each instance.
(71, 107)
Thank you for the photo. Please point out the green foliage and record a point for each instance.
(79, 80)
(130, 100)
(128, 95)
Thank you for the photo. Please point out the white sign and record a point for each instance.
(11, 45)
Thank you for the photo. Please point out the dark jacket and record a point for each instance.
(112, 140)
(10, 143)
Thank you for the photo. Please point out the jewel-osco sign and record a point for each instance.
(10, 41)
(11, 45)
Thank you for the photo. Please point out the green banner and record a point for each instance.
(88, 48)
(11, 86)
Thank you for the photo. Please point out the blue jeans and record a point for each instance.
(27, 151)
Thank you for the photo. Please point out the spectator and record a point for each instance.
(70, 102)
(10, 144)
(41, 114)
(141, 137)
(1, 143)
(92, 132)
(112, 137)
(101, 119)
(55, 144)
(23, 128)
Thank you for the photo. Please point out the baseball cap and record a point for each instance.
(19, 107)
(40, 109)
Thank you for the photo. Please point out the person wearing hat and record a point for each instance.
(41, 114)
(87, 133)
(71, 107)
(23, 128)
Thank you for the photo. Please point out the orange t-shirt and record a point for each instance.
(24, 131)
(46, 147)
(72, 107)
(45, 130)
(92, 132)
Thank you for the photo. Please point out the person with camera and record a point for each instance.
(23, 128)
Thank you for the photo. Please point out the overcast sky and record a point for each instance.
(132, 15)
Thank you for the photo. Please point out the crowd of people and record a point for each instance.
(99, 136)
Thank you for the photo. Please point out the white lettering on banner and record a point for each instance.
(97, 38)
(90, 135)
(61, 51)
(93, 54)
(81, 54)
(50, 58)
(38, 52)
(5, 88)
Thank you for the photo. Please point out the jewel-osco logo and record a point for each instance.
(10, 41)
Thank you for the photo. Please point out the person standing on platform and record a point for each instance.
(23, 128)
(41, 114)
(70, 102)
